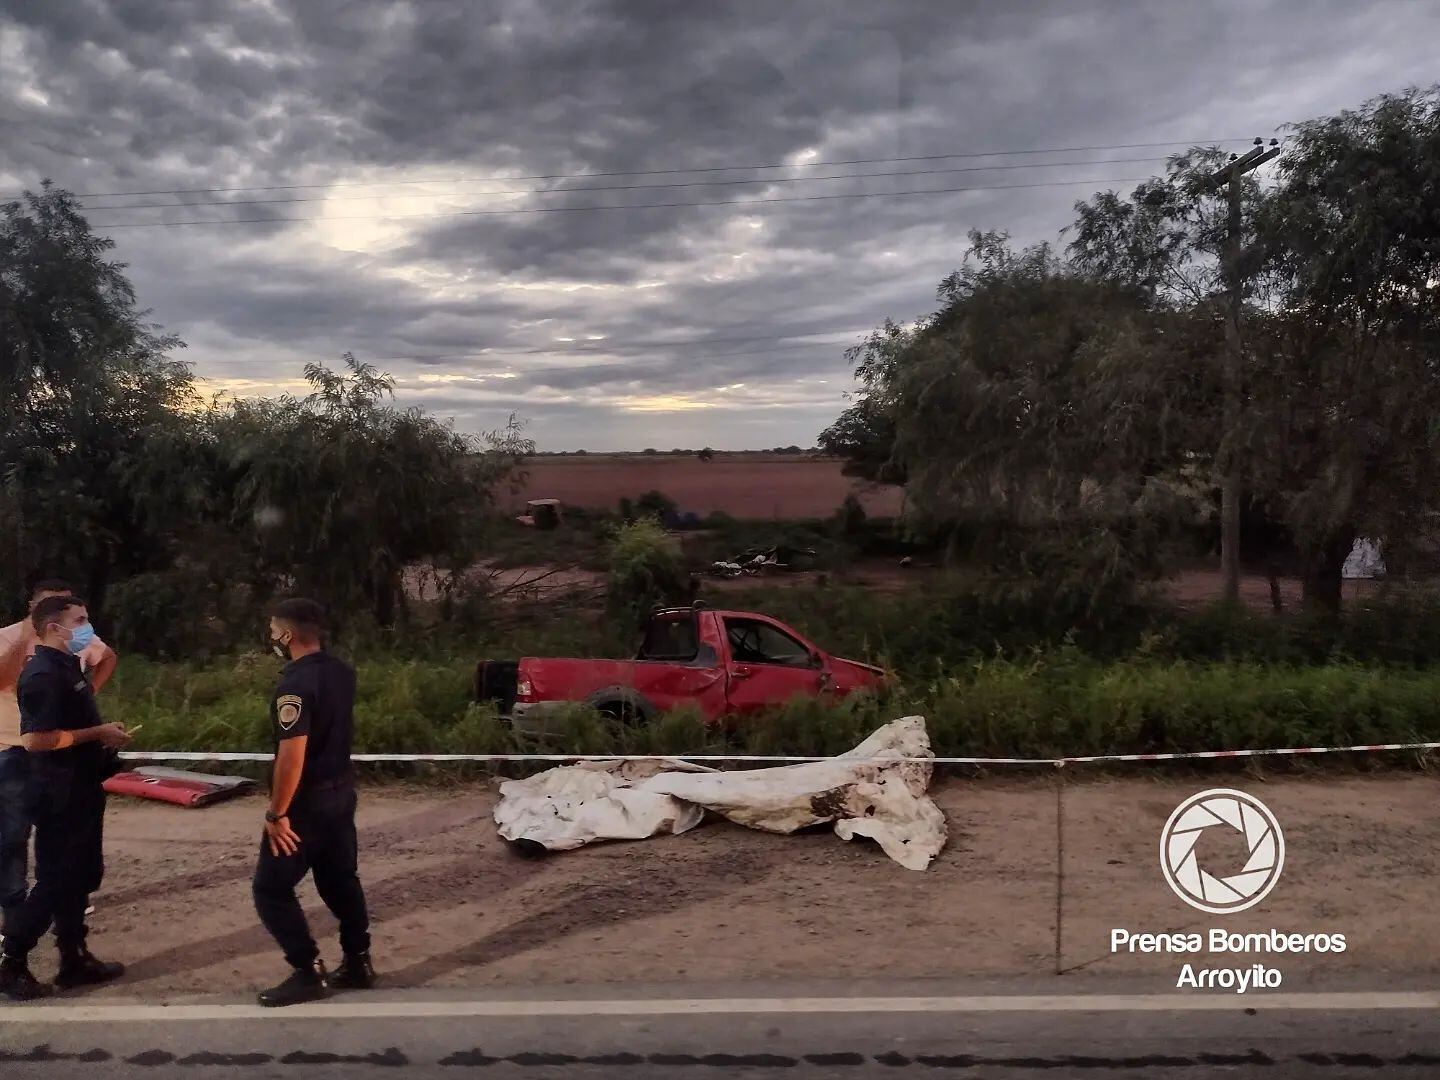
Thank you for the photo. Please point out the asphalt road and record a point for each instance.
(1002, 1037)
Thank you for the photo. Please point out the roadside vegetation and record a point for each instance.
(1062, 425)
(993, 671)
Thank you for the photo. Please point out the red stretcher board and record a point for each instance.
(177, 787)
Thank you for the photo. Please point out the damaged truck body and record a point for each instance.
(725, 663)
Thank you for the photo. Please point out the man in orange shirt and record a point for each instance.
(17, 645)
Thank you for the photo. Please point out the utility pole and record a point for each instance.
(1232, 490)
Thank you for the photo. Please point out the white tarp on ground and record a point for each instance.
(869, 791)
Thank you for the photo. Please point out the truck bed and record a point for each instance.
(495, 681)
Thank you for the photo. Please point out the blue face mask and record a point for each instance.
(80, 638)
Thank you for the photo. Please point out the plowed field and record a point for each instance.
(746, 486)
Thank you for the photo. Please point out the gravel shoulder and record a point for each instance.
(454, 907)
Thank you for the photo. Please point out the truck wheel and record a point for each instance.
(621, 716)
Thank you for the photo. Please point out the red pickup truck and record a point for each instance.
(725, 662)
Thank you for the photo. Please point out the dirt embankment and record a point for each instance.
(453, 906)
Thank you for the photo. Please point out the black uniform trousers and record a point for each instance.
(69, 866)
(324, 819)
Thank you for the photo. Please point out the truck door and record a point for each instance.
(678, 666)
(767, 666)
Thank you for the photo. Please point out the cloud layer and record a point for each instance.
(635, 325)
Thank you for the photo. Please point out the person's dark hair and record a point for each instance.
(305, 617)
(51, 608)
(50, 585)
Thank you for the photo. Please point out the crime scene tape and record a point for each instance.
(778, 759)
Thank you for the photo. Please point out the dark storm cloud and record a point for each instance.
(148, 95)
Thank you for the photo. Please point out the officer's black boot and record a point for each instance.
(304, 984)
(17, 983)
(354, 973)
(79, 967)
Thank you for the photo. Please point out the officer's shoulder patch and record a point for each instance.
(287, 710)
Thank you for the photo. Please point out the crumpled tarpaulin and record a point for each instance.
(177, 786)
(869, 791)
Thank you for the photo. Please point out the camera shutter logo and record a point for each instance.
(1226, 890)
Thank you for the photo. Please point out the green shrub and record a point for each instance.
(851, 517)
(645, 573)
(175, 613)
(658, 505)
(1396, 627)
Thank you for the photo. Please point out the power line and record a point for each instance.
(831, 347)
(634, 206)
(614, 350)
(626, 187)
(620, 347)
(597, 372)
(664, 172)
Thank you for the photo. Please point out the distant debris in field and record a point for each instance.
(1364, 561)
(761, 561)
(541, 514)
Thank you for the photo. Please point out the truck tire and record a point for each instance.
(622, 707)
(621, 714)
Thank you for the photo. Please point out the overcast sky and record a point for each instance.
(719, 325)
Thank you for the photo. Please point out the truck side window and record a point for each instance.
(760, 643)
(670, 639)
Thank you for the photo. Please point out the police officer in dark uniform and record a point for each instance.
(310, 826)
(69, 753)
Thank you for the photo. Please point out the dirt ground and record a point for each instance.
(454, 907)
(745, 486)
(1195, 588)
(1190, 588)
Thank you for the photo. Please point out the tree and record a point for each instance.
(1345, 398)
(1166, 239)
(1053, 410)
(864, 435)
(1334, 436)
(1181, 241)
(339, 493)
(1044, 385)
(657, 505)
(87, 388)
(112, 469)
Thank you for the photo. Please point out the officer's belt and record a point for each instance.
(346, 781)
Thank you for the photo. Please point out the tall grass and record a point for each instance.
(1046, 705)
(996, 671)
